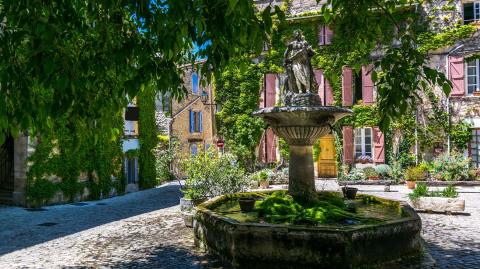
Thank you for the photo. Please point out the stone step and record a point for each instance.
(6, 197)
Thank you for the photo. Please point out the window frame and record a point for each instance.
(476, 12)
(476, 76)
(195, 86)
(361, 133)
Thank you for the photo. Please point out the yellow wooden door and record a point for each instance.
(327, 167)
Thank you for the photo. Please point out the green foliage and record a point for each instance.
(40, 191)
(414, 174)
(62, 155)
(363, 116)
(165, 154)
(279, 207)
(209, 175)
(81, 58)
(370, 172)
(355, 174)
(148, 138)
(453, 166)
(461, 135)
(238, 92)
(285, 149)
(430, 41)
(422, 190)
(383, 170)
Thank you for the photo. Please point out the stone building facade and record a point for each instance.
(193, 117)
(463, 104)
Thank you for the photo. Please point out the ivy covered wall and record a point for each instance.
(69, 168)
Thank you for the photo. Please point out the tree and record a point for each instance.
(81, 59)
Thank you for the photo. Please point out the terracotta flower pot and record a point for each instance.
(247, 204)
(411, 184)
(264, 184)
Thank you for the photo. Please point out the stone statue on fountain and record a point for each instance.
(300, 87)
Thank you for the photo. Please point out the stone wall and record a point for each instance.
(181, 117)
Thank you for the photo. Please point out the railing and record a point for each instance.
(6, 165)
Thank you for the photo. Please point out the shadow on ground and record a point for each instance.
(20, 228)
(167, 257)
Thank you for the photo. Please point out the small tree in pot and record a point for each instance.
(412, 175)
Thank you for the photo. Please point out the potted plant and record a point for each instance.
(263, 180)
(349, 192)
(412, 175)
(370, 173)
(247, 204)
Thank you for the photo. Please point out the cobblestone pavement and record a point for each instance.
(145, 230)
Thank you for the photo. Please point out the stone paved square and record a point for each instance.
(145, 230)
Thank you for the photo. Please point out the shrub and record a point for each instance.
(370, 172)
(355, 174)
(451, 167)
(414, 174)
(422, 191)
(209, 175)
(383, 170)
(41, 191)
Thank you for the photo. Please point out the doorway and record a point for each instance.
(6, 169)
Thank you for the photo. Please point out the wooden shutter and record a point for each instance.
(192, 121)
(367, 85)
(457, 75)
(348, 144)
(195, 83)
(270, 89)
(271, 146)
(347, 90)
(328, 94)
(378, 145)
(321, 84)
(328, 35)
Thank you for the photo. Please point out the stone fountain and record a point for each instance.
(303, 119)
(247, 243)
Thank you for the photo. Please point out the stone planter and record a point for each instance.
(188, 218)
(411, 184)
(439, 204)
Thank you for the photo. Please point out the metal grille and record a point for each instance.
(6, 165)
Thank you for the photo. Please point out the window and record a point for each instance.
(193, 149)
(131, 170)
(325, 35)
(471, 12)
(195, 83)
(475, 148)
(196, 124)
(473, 76)
(163, 103)
(363, 142)
(357, 87)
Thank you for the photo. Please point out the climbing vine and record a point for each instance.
(68, 160)
(148, 137)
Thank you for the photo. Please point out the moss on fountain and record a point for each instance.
(328, 209)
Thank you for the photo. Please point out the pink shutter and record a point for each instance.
(348, 144)
(271, 146)
(328, 35)
(457, 75)
(367, 85)
(270, 88)
(261, 149)
(347, 90)
(321, 35)
(328, 94)
(321, 84)
(378, 146)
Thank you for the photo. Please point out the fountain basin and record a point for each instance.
(300, 125)
(246, 243)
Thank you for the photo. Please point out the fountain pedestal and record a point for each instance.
(301, 126)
